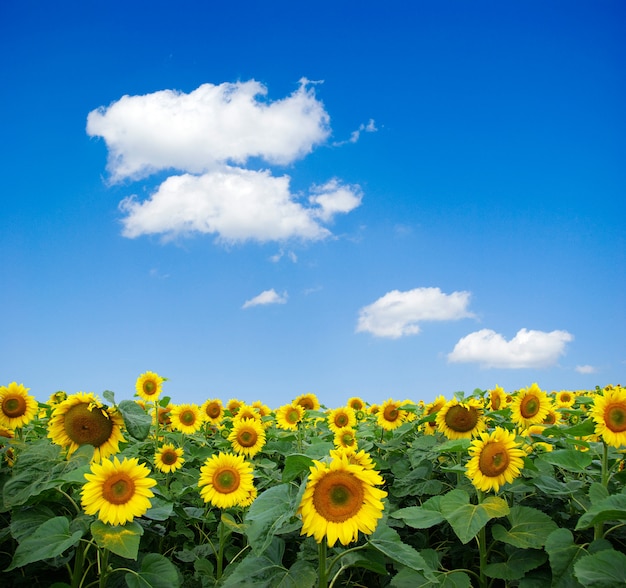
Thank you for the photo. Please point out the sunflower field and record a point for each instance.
(522, 488)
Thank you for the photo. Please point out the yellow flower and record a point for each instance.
(148, 386)
(495, 460)
(461, 420)
(247, 412)
(83, 420)
(186, 418)
(430, 427)
(233, 406)
(497, 398)
(17, 406)
(609, 414)
(213, 410)
(307, 401)
(169, 458)
(288, 416)
(117, 491)
(340, 418)
(565, 399)
(346, 438)
(341, 499)
(359, 457)
(247, 436)
(530, 406)
(226, 480)
(263, 409)
(373, 409)
(165, 421)
(391, 416)
(357, 404)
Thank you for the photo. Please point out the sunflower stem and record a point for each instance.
(220, 551)
(104, 567)
(323, 580)
(482, 548)
(598, 528)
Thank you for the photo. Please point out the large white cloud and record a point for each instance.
(399, 313)
(233, 203)
(225, 123)
(266, 297)
(528, 349)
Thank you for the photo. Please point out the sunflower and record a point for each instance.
(148, 386)
(117, 491)
(373, 409)
(168, 458)
(496, 459)
(214, 410)
(307, 401)
(461, 420)
(565, 399)
(358, 405)
(186, 418)
(552, 417)
(233, 406)
(83, 420)
(609, 414)
(226, 480)
(346, 438)
(409, 415)
(430, 427)
(288, 416)
(247, 412)
(497, 398)
(263, 409)
(357, 457)
(340, 418)
(247, 437)
(17, 406)
(164, 413)
(530, 406)
(391, 416)
(341, 499)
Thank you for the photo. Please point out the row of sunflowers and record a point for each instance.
(494, 488)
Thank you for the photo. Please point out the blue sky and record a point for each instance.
(258, 200)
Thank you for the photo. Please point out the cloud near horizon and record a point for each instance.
(397, 314)
(266, 297)
(528, 349)
(210, 135)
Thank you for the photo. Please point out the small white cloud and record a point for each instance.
(585, 369)
(334, 198)
(528, 349)
(397, 313)
(266, 297)
(278, 256)
(370, 127)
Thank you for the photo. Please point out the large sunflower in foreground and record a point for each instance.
(168, 458)
(341, 499)
(186, 418)
(391, 416)
(288, 416)
(148, 386)
(117, 491)
(226, 480)
(82, 419)
(609, 414)
(17, 406)
(461, 420)
(247, 437)
(530, 406)
(496, 459)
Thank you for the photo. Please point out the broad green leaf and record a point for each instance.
(161, 509)
(50, 539)
(568, 459)
(156, 572)
(553, 487)
(454, 446)
(597, 492)
(271, 511)
(25, 521)
(408, 578)
(136, 419)
(519, 562)
(563, 553)
(612, 508)
(468, 519)
(318, 450)
(583, 429)
(605, 569)
(262, 572)
(109, 396)
(421, 517)
(123, 540)
(231, 524)
(387, 541)
(296, 464)
(529, 528)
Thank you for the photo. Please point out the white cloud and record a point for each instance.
(399, 313)
(233, 203)
(214, 124)
(528, 349)
(585, 369)
(333, 198)
(278, 256)
(370, 127)
(266, 297)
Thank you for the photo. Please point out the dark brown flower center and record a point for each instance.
(529, 406)
(14, 406)
(391, 413)
(338, 496)
(247, 437)
(494, 459)
(85, 426)
(615, 417)
(169, 457)
(461, 419)
(118, 489)
(226, 480)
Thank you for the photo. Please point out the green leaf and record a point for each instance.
(156, 572)
(454, 446)
(387, 541)
(568, 459)
(612, 508)
(605, 569)
(296, 464)
(529, 528)
(597, 492)
(123, 540)
(136, 419)
(468, 519)
(421, 517)
(408, 578)
(161, 509)
(519, 562)
(109, 396)
(271, 511)
(583, 429)
(563, 553)
(50, 539)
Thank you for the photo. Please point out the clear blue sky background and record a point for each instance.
(460, 174)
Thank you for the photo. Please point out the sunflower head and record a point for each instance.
(609, 415)
(461, 420)
(565, 399)
(530, 406)
(186, 418)
(226, 480)
(307, 401)
(356, 403)
(214, 410)
(391, 416)
(148, 386)
(17, 406)
(341, 418)
(247, 437)
(346, 439)
(169, 458)
(497, 398)
(288, 416)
